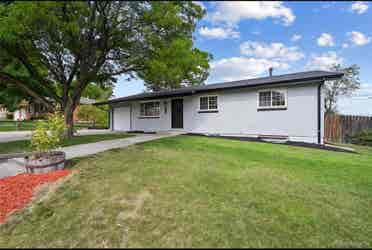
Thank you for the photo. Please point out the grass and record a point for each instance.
(9, 125)
(24, 145)
(189, 191)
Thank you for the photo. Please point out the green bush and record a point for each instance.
(97, 116)
(363, 138)
(48, 134)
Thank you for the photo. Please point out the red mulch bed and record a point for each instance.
(17, 191)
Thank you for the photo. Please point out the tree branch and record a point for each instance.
(7, 78)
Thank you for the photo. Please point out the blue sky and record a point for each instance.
(246, 38)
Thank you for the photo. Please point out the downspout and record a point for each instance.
(130, 120)
(109, 118)
(320, 111)
(112, 119)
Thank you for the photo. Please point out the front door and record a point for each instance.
(177, 113)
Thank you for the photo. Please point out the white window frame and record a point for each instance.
(283, 91)
(149, 116)
(209, 109)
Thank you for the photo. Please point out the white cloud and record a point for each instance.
(218, 33)
(296, 37)
(359, 7)
(276, 51)
(323, 61)
(232, 12)
(237, 68)
(345, 45)
(325, 39)
(358, 38)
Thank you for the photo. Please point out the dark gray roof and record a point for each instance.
(308, 76)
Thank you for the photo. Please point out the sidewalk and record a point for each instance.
(16, 166)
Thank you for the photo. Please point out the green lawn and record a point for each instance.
(24, 145)
(189, 191)
(8, 125)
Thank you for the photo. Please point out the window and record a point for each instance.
(208, 103)
(265, 99)
(278, 98)
(150, 109)
(271, 99)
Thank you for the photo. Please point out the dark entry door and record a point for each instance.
(177, 113)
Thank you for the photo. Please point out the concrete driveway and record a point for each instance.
(16, 166)
(25, 135)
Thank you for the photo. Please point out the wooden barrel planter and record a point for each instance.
(45, 162)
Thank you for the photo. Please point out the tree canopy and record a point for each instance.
(59, 48)
(11, 96)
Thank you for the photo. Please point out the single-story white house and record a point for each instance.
(287, 107)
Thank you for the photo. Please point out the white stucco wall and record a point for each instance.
(238, 115)
(152, 124)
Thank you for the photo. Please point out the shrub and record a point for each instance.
(97, 116)
(43, 116)
(48, 134)
(363, 138)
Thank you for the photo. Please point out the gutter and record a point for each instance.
(319, 112)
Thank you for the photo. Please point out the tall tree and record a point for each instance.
(62, 47)
(344, 86)
(176, 65)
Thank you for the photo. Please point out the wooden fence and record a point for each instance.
(340, 128)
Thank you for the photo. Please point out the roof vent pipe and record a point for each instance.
(271, 71)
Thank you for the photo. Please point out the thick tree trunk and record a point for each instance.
(69, 121)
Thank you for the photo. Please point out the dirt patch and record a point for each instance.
(135, 203)
(46, 190)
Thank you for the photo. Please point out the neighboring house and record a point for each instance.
(29, 110)
(3, 112)
(35, 110)
(287, 107)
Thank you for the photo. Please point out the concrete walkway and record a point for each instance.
(16, 166)
(25, 135)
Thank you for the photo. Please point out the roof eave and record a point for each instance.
(300, 81)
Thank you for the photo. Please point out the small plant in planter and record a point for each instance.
(46, 137)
